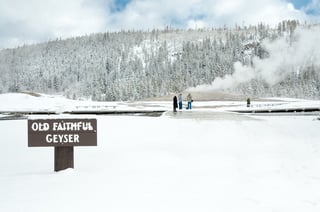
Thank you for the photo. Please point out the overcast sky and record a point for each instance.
(33, 21)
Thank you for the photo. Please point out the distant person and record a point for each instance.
(180, 101)
(175, 103)
(248, 102)
(189, 100)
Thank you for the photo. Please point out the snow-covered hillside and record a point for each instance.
(206, 159)
(251, 60)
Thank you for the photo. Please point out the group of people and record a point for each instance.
(177, 102)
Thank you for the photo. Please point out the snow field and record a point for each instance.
(169, 164)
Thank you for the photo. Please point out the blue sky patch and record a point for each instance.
(120, 4)
(301, 5)
(298, 4)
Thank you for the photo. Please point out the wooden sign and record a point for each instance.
(63, 135)
(62, 132)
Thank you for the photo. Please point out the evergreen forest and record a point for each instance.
(133, 65)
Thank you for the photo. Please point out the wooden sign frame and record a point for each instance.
(63, 135)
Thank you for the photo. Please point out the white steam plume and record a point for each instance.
(285, 57)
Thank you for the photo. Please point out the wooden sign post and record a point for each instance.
(63, 158)
(63, 135)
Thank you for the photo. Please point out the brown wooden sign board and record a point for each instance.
(63, 135)
(62, 132)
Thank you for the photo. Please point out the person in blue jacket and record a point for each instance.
(180, 101)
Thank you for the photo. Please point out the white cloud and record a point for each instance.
(314, 5)
(196, 24)
(39, 20)
(36, 20)
(252, 12)
(148, 14)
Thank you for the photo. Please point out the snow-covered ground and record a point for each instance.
(206, 159)
(12, 102)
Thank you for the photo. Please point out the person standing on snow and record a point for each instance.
(248, 102)
(189, 100)
(180, 101)
(175, 104)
